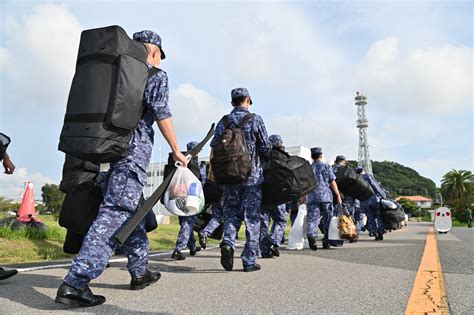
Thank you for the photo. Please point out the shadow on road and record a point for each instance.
(21, 289)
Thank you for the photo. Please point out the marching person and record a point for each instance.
(122, 186)
(320, 201)
(215, 222)
(186, 235)
(243, 201)
(350, 203)
(372, 206)
(9, 168)
(469, 218)
(270, 240)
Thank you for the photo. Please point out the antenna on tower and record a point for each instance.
(363, 124)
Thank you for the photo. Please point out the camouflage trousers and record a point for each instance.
(242, 203)
(275, 235)
(318, 211)
(216, 220)
(374, 215)
(123, 187)
(186, 234)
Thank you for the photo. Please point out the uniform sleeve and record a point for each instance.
(331, 175)
(263, 143)
(156, 96)
(218, 132)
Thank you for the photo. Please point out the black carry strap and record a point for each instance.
(242, 122)
(152, 71)
(124, 232)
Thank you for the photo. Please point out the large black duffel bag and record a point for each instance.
(105, 100)
(286, 177)
(352, 184)
(392, 214)
(76, 172)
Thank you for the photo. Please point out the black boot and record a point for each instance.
(193, 252)
(312, 243)
(75, 297)
(275, 251)
(255, 267)
(380, 236)
(141, 282)
(177, 255)
(202, 239)
(227, 257)
(5, 274)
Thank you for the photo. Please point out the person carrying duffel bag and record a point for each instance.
(270, 238)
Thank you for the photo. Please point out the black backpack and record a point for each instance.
(352, 184)
(287, 178)
(230, 160)
(106, 96)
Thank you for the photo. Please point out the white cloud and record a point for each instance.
(194, 109)
(12, 186)
(435, 79)
(40, 62)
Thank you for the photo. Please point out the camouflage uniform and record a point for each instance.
(372, 206)
(216, 219)
(122, 186)
(320, 201)
(243, 201)
(275, 235)
(277, 214)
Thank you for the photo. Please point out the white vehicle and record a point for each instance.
(443, 221)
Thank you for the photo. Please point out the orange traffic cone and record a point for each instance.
(27, 209)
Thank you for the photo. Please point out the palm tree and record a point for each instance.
(457, 184)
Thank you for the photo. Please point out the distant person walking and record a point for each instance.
(9, 169)
(469, 217)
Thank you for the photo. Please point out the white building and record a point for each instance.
(421, 202)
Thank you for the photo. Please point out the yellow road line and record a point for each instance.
(429, 293)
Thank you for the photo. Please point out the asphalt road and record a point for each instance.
(367, 277)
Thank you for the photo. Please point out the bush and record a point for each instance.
(51, 233)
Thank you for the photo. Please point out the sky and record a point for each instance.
(302, 61)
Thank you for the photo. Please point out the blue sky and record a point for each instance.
(302, 61)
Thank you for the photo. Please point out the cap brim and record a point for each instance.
(163, 56)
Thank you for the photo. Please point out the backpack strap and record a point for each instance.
(152, 71)
(242, 123)
(245, 120)
(226, 121)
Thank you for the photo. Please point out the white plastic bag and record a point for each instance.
(296, 238)
(184, 196)
(333, 233)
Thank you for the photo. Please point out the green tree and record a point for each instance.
(409, 206)
(456, 185)
(52, 197)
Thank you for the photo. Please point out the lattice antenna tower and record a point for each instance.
(363, 124)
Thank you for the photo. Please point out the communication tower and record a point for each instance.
(363, 124)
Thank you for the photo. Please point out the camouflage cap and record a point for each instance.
(340, 158)
(316, 150)
(151, 38)
(239, 92)
(191, 145)
(276, 140)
